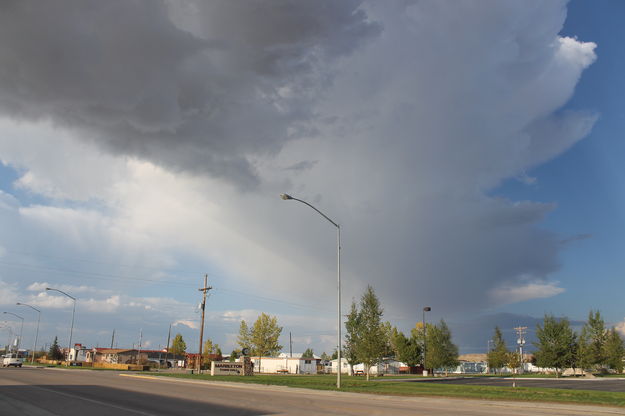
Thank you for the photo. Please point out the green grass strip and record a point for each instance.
(359, 385)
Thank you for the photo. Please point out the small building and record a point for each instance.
(119, 356)
(78, 353)
(345, 367)
(285, 365)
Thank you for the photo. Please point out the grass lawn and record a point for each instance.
(360, 385)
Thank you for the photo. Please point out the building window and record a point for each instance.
(306, 361)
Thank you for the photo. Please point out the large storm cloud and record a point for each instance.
(399, 119)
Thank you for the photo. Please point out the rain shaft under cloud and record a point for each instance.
(397, 119)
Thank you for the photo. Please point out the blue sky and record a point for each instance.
(587, 181)
(456, 145)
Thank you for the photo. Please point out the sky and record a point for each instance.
(468, 150)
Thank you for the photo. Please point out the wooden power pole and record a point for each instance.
(204, 289)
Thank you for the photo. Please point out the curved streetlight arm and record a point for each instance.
(286, 197)
(60, 291)
(31, 307)
(17, 316)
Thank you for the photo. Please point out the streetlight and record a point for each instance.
(19, 341)
(426, 309)
(71, 331)
(37, 332)
(287, 197)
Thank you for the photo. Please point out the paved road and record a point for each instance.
(602, 384)
(47, 392)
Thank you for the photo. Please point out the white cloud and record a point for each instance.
(187, 323)
(108, 305)
(620, 328)
(508, 294)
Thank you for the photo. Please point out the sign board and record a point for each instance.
(226, 369)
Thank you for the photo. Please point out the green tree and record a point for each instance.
(498, 356)
(441, 351)
(556, 345)
(407, 350)
(178, 346)
(308, 353)
(350, 349)
(209, 348)
(591, 353)
(325, 356)
(234, 355)
(614, 351)
(513, 361)
(55, 352)
(371, 341)
(264, 335)
(245, 336)
(389, 331)
(335, 354)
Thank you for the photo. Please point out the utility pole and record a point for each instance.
(113, 339)
(290, 345)
(167, 350)
(521, 330)
(204, 289)
(140, 341)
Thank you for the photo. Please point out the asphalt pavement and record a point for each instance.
(52, 392)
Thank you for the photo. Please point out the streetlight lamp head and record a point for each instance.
(427, 309)
(286, 197)
(48, 288)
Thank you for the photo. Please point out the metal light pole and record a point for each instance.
(287, 197)
(426, 309)
(71, 331)
(37, 331)
(19, 340)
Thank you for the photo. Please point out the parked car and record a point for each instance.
(11, 360)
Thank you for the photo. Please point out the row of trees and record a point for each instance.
(558, 346)
(368, 340)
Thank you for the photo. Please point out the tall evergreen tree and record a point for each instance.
(441, 351)
(55, 352)
(372, 344)
(614, 351)
(308, 353)
(557, 344)
(498, 356)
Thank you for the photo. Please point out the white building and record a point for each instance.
(78, 353)
(285, 365)
(344, 366)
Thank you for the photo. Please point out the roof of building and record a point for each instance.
(114, 350)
